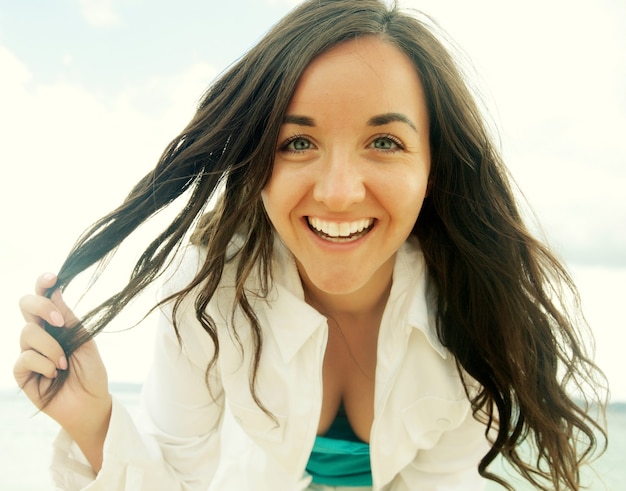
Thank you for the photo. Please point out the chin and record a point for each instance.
(334, 287)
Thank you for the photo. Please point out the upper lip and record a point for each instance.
(339, 228)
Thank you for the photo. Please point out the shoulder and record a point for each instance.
(188, 263)
(183, 268)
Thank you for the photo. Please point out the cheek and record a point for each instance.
(407, 192)
(284, 192)
(276, 200)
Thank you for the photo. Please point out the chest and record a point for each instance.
(348, 376)
(395, 375)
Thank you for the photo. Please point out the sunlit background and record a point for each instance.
(91, 91)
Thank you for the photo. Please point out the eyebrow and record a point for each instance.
(298, 120)
(378, 120)
(383, 119)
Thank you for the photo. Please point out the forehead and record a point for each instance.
(362, 71)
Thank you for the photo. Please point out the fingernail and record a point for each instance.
(48, 276)
(57, 319)
(63, 363)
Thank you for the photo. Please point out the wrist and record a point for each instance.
(89, 431)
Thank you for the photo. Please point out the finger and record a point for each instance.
(30, 362)
(45, 282)
(33, 337)
(36, 308)
(68, 316)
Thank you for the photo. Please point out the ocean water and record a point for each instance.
(26, 441)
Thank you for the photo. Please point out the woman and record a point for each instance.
(363, 307)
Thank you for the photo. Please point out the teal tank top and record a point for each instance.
(339, 458)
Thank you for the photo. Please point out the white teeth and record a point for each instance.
(340, 229)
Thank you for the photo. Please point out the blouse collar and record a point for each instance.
(292, 321)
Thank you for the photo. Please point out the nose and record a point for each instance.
(340, 182)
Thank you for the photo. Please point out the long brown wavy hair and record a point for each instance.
(501, 307)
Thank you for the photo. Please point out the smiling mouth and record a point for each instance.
(340, 231)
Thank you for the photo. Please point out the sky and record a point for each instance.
(91, 92)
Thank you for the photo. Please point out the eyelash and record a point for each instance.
(285, 146)
(392, 139)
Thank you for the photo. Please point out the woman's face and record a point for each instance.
(351, 167)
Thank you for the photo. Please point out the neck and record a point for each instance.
(370, 299)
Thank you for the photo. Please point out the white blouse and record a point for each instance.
(424, 436)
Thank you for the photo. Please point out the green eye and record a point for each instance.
(386, 143)
(298, 144)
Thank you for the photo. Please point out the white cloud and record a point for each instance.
(289, 3)
(52, 132)
(176, 93)
(67, 59)
(99, 13)
(15, 73)
(554, 75)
